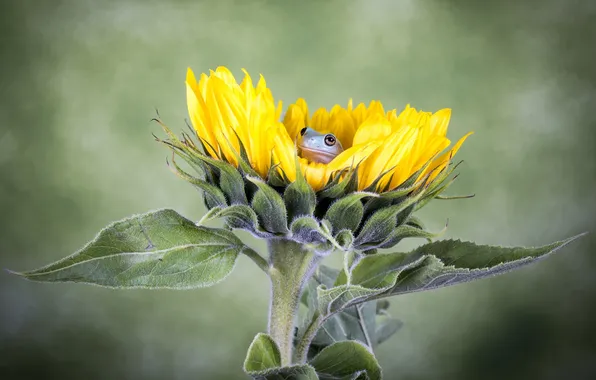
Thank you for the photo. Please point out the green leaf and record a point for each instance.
(406, 231)
(346, 359)
(295, 372)
(346, 212)
(159, 249)
(354, 323)
(450, 262)
(270, 207)
(263, 354)
(386, 327)
(370, 277)
(263, 362)
(337, 298)
(381, 270)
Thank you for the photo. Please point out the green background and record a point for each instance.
(79, 83)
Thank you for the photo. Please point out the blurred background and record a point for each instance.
(81, 79)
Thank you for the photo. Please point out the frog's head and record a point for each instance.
(318, 147)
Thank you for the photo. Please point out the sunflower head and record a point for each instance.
(349, 177)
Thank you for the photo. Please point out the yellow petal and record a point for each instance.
(375, 127)
(200, 121)
(386, 157)
(440, 121)
(226, 75)
(294, 121)
(353, 156)
(301, 103)
(375, 108)
(359, 114)
(342, 126)
(284, 150)
(316, 174)
(442, 161)
(319, 121)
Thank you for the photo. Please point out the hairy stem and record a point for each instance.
(309, 335)
(290, 267)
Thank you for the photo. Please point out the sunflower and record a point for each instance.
(386, 147)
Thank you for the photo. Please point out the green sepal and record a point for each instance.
(299, 197)
(239, 217)
(347, 212)
(276, 177)
(345, 238)
(374, 186)
(242, 157)
(380, 224)
(270, 207)
(339, 186)
(213, 195)
(229, 179)
(347, 360)
(414, 221)
(306, 230)
(160, 249)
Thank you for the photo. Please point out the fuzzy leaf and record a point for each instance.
(450, 262)
(295, 372)
(337, 298)
(270, 207)
(347, 359)
(346, 212)
(353, 323)
(386, 327)
(160, 249)
(263, 354)
(406, 231)
(381, 270)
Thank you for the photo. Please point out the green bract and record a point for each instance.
(337, 216)
(324, 323)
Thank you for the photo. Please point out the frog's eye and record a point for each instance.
(330, 140)
(302, 131)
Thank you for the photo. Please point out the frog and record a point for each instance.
(318, 147)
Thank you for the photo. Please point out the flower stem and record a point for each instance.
(290, 266)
